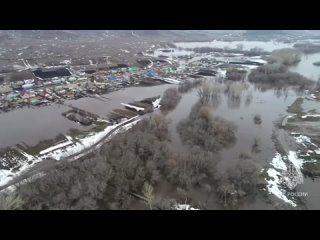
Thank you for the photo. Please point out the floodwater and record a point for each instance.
(103, 106)
(270, 104)
(306, 67)
(31, 125)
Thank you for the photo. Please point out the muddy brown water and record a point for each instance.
(31, 125)
(269, 104)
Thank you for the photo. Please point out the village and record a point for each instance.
(40, 84)
(54, 85)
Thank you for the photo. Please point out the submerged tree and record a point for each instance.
(10, 201)
(170, 99)
(204, 130)
(240, 182)
(148, 194)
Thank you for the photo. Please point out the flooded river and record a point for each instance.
(33, 125)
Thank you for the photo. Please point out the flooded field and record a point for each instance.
(31, 125)
(240, 112)
(306, 67)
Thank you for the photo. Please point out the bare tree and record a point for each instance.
(10, 201)
(204, 93)
(148, 194)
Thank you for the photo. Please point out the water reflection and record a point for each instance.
(278, 92)
(234, 102)
(249, 98)
(235, 91)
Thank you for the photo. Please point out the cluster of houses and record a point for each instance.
(51, 85)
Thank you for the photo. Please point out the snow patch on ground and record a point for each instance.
(156, 103)
(277, 162)
(61, 145)
(184, 207)
(303, 140)
(310, 115)
(313, 96)
(298, 163)
(276, 180)
(295, 133)
(124, 50)
(274, 186)
(133, 107)
(170, 80)
(222, 73)
(66, 61)
(7, 175)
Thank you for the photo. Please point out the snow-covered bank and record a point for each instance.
(311, 115)
(303, 140)
(61, 145)
(83, 143)
(276, 179)
(66, 150)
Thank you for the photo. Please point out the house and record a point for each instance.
(27, 86)
(27, 95)
(133, 69)
(35, 101)
(51, 72)
(58, 81)
(28, 81)
(11, 97)
(151, 73)
(43, 94)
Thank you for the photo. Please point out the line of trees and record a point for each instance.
(188, 85)
(252, 52)
(285, 56)
(277, 75)
(236, 74)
